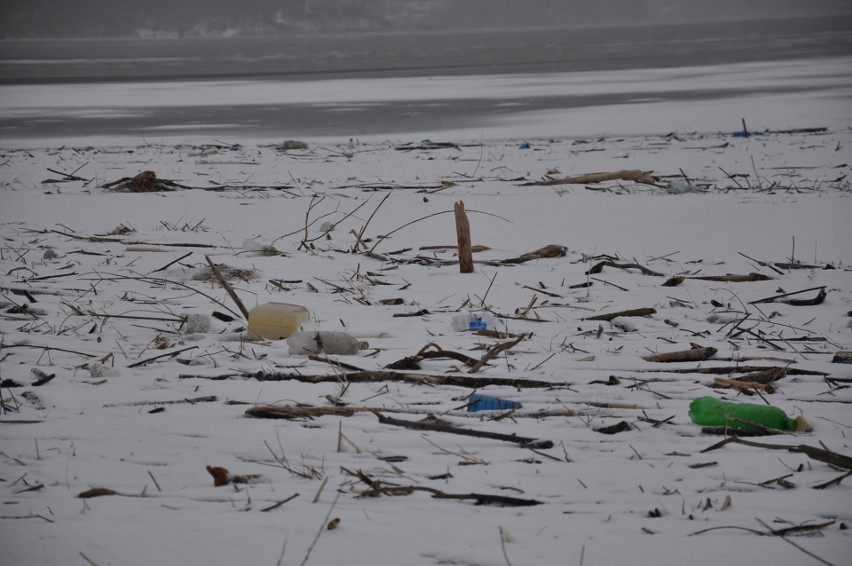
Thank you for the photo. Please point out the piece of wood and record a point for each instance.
(766, 376)
(463, 237)
(630, 312)
(294, 412)
(624, 175)
(438, 425)
(691, 355)
(733, 277)
(842, 357)
(597, 268)
(413, 362)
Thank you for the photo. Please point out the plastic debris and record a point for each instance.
(292, 144)
(709, 411)
(524, 145)
(197, 324)
(745, 134)
(309, 342)
(679, 188)
(473, 321)
(49, 254)
(275, 321)
(255, 246)
(477, 402)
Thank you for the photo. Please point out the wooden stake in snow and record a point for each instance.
(463, 235)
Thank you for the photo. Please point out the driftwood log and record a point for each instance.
(623, 175)
(692, 355)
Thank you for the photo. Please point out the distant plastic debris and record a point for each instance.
(291, 144)
(427, 145)
(49, 254)
(309, 342)
(197, 324)
(680, 187)
(524, 145)
(473, 321)
(477, 402)
(250, 245)
(744, 133)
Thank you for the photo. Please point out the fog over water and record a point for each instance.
(114, 51)
(182, 18)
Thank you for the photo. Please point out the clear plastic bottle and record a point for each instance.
(709, 411)
(309, 342)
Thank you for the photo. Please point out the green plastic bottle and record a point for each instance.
(709, 411)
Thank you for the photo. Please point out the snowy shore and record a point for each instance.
(104, 388)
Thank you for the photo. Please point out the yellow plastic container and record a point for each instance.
(274, 321)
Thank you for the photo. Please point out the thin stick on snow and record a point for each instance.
(320, 530)
(224, 282)
(503, 536)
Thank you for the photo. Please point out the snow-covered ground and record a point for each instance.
(139, 408)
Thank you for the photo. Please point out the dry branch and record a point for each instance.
(630, 312)
(413, 362)
(298, 412)
(434, 424)
(478, 498)
(469, 382)
(597, 268)
(796, 302)
(820, 454)
(743, 385)
(166, 355)
(494, 351)
(550, 250)
(193, 401)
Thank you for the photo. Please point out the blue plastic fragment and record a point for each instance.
(524, 145)
(477, 402)
(477, 324)
(49, 254)
(745, 134)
